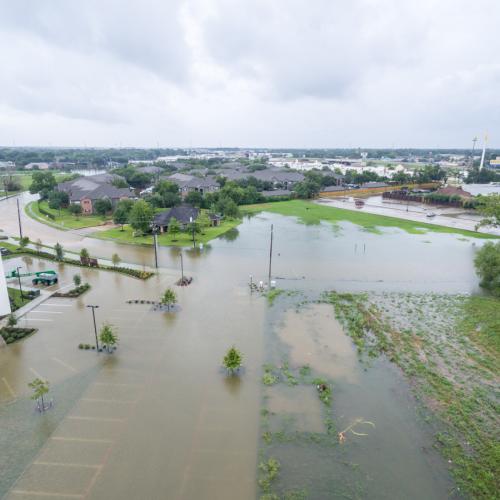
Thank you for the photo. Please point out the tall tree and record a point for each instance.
(141, 216)
(489, 206)
(487, 262)
(43, 183)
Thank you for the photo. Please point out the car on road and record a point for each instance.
(4, 251)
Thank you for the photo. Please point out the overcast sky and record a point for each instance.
(249, 73)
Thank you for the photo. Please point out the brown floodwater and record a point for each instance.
(160, 419)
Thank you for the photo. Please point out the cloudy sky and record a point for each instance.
(261, 73)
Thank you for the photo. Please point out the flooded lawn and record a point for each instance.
(160, 419)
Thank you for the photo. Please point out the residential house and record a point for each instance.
(189, 183)
(183, 213)
(84, 191)
(40, 165)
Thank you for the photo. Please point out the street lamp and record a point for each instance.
(191, 221)
(155, 244)
(19, 278)
(182, 269)
(95, 327)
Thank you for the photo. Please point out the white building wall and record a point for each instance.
(4, 296)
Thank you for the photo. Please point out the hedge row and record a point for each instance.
(44, 212)
(136, 273)
(75, 292)
(11, 333)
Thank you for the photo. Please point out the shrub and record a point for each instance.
(487, 262)
(233, 359)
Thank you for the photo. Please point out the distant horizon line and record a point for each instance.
(257, 148)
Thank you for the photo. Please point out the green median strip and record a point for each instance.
(313, 213)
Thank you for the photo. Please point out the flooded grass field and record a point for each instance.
(159, 418)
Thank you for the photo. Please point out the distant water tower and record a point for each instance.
(4, 295)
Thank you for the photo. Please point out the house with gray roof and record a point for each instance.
(184, 214)
(84, 191)
(189, 183)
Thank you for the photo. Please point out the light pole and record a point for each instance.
(155, 243)
(19, 220)
(19, 278)
(95, 327)
(192, 228)
(182, 268)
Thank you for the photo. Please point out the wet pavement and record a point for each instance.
(159, 418)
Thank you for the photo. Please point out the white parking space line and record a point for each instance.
(36, 374)
(49, 494)
(81, 440)
(97, 400)
(97, 419)
(62, 464)
(56, 305)
(62, 363)
(37, 319)
(44, 312)
(9, 388)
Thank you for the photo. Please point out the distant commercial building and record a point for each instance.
(495, 163)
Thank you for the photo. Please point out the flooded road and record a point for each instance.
(160, 419)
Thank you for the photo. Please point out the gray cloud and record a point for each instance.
(250, 72)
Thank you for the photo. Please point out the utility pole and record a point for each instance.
(182, 268)
(95, 326)
(270, 256)
(19, 279)
(155, 243)
(193, 229)
(19, 220)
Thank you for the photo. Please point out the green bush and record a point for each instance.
(487, 262)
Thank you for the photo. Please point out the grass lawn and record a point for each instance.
(312, 213)
(181, 239)
(25, 178)
(15, 296)
(63, 218)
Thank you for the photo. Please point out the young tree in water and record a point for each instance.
(84, 253)
(108, 337)
(115, 259)
(77, 280)
(232, 360)
(59, 251)
(40, 388)
(174, 227)
(169, 298)
(38, 244)
(24, 241)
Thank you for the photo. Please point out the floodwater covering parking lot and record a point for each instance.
(159, 418)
